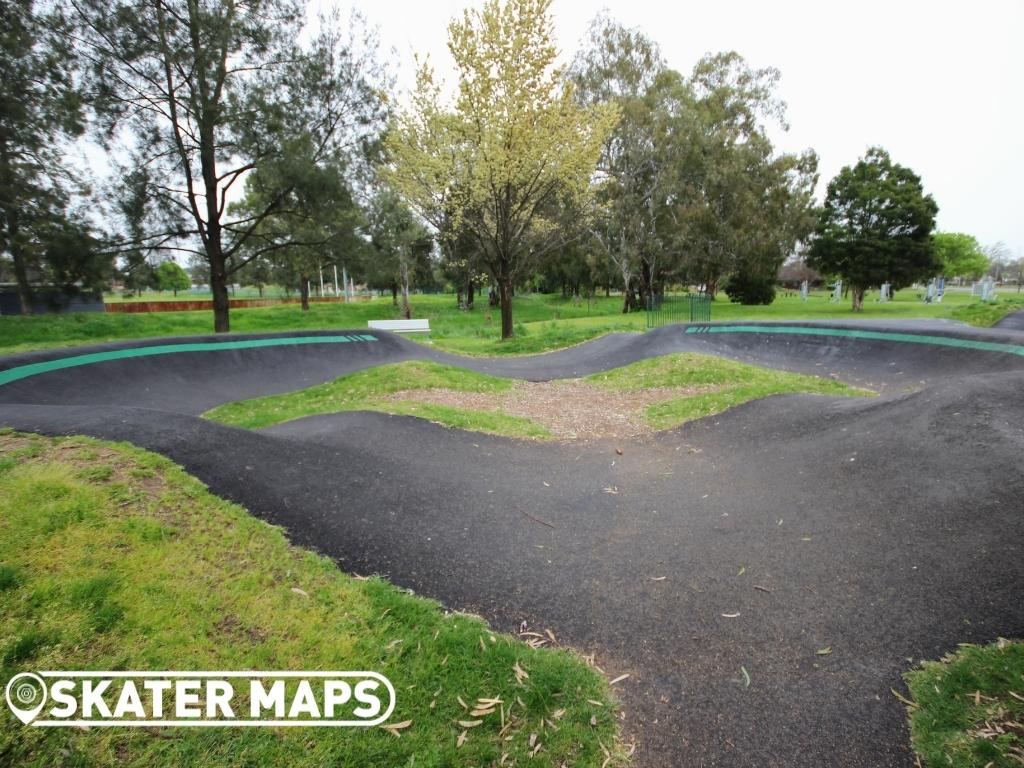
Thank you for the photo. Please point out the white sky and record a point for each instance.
(938, 84)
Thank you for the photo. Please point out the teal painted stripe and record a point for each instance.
(853, 333)
(33, 369)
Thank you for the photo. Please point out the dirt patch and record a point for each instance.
(570, 409)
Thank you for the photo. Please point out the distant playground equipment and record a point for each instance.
(690, 308)
(400, 326)
(837, 292)
(984, 289)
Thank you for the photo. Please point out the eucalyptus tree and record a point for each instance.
(736, 205)
(514, 140)
(211, 92)
(41, 108)
(622, 66)
(401, 243)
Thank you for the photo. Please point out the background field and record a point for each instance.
(543, 321)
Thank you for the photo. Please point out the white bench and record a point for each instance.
(400, 326)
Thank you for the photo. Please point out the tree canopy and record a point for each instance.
(960, 255)
(210, 93)
(514, 143)
(876, 227)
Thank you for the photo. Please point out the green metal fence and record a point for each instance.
(690, 308)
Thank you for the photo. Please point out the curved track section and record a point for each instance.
(885, 529)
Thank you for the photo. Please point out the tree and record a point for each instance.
(40, 107)
(211, 92)
(740, 208)
(515, 141)
(171, 277)
(875, 227)
(401, 242)
(623, 66)
(960, 255)
(316, 222)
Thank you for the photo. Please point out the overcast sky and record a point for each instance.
(938, 84)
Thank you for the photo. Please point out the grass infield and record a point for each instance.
(713, 384)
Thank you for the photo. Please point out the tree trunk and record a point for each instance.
(394, 293)
(219, 287)
(260, 289)
(469, 294)
(505, 299)
(304, 292)
(406, 309)
(20, 268)
(858, 298)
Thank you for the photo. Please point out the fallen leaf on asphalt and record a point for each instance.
(619, 679)
(746, 677)
(658, 578)
(618, 451)
(611, 489)
(551, 635)
(730, 615)
(907, 702)
(743, 569)
(824, 651)
(762, 589)
(394, 728)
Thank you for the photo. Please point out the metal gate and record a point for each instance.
(689, 308)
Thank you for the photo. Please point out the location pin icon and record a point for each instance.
(26, 695)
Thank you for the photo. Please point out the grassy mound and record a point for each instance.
(365, 391)
(708, 385)
(115, 558)
(726, 384)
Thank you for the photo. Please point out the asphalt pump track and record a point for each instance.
(711, 562)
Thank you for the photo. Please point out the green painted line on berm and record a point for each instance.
(33, 369)
(856, 333)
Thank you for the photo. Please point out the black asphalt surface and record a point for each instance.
(886, 529)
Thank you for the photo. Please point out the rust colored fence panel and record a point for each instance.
(195, 305)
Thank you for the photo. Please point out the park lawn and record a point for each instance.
(366, 391)
(543, 322)
(114, 558)
(725, 384)
(968, 708)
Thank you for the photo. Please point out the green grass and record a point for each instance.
(959, 700)
(722, 384)
(115, 558)
(727, 384)
(543, 322)
(988, 313)
(365, 390)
